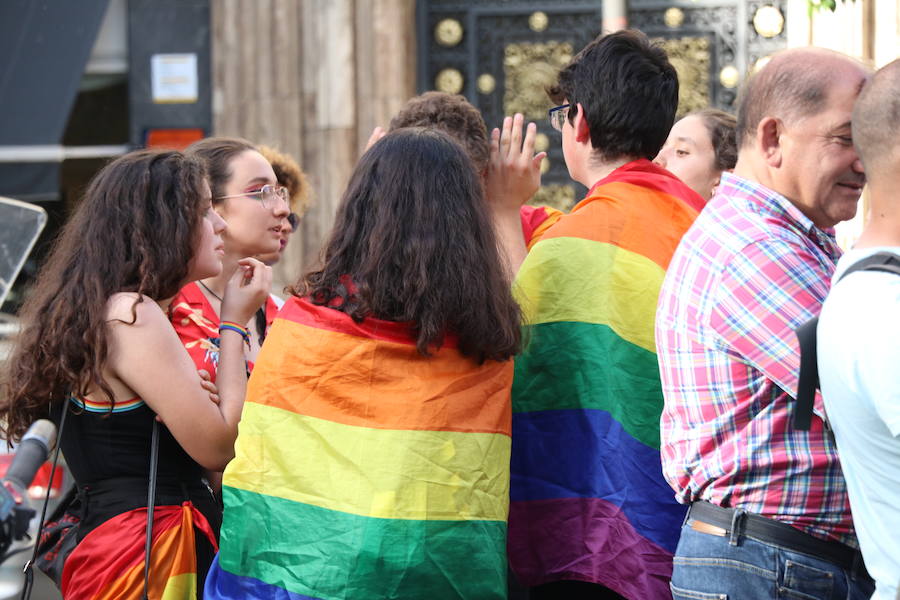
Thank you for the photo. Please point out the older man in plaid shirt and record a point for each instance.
(769, 513)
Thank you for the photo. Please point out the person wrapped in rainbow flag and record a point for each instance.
(591, 515)
(373, 454)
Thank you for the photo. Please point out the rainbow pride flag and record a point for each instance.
(588, 499)
(364, 470)
(108, 564)
(536, 220)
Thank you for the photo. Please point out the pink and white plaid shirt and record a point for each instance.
(749, 271)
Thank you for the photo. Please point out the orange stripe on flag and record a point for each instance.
(631, 225)
(375, 383)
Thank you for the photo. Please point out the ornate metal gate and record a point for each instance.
(502, 54)
(712, 44)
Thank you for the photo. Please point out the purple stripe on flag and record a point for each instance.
(585, 539)
(588, 454)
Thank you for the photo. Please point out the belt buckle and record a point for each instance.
(702, 527)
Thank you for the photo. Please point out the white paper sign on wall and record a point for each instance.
(173, 78)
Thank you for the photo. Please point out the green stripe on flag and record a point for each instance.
(569, 365)
(333, 555)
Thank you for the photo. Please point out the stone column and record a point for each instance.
(313, 78)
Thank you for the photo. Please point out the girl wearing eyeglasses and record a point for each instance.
(247, 195)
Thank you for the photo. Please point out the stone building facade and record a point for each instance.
(313, 78)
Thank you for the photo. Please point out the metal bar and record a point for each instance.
(57, 153)
(615, 15)
(486, 9)
(423, 39)
(472, 51)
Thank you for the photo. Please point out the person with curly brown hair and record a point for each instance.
(97, 350)
(290, 175)
(511, 175)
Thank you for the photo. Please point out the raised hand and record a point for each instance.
(514, 170)
(513, 176)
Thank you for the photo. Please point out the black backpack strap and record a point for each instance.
(887, 262)
(808, 382)
(151, 504)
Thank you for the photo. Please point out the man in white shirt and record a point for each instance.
(859, 343)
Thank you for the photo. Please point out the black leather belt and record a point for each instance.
(770, 531)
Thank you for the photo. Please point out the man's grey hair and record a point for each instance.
(795, 84)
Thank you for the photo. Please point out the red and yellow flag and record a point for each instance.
(108, 564)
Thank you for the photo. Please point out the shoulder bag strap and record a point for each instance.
(808, 381)
(29, 566)
(151, 503)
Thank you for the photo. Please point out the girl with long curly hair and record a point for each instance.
(97, 348)
(373, 457)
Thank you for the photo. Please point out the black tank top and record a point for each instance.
(99, 444)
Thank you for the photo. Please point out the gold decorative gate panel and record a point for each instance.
(502, 54)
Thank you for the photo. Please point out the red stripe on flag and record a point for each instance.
(109, 561)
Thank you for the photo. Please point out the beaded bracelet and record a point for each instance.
(232, 326)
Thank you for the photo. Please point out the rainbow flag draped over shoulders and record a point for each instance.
(536, 220)
(588, 499)
(108, 564)
(364, 470)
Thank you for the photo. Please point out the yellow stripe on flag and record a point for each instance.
(393, 474)
(180, 587)
(571, 279)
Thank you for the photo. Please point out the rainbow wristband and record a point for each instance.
(232, 326)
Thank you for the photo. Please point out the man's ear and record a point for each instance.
(580, 124)
(768, 138)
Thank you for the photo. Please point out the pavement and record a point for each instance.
(12, 580)
(44, 589)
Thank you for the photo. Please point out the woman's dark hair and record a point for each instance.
(217, 154)
(135, 231)
(722, 127)
(629, 92)
(413, 243)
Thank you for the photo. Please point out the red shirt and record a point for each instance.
(197, 324)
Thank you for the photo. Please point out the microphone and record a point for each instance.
(31, 453)
(15, 513)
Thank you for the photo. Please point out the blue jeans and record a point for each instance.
(708, 567)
